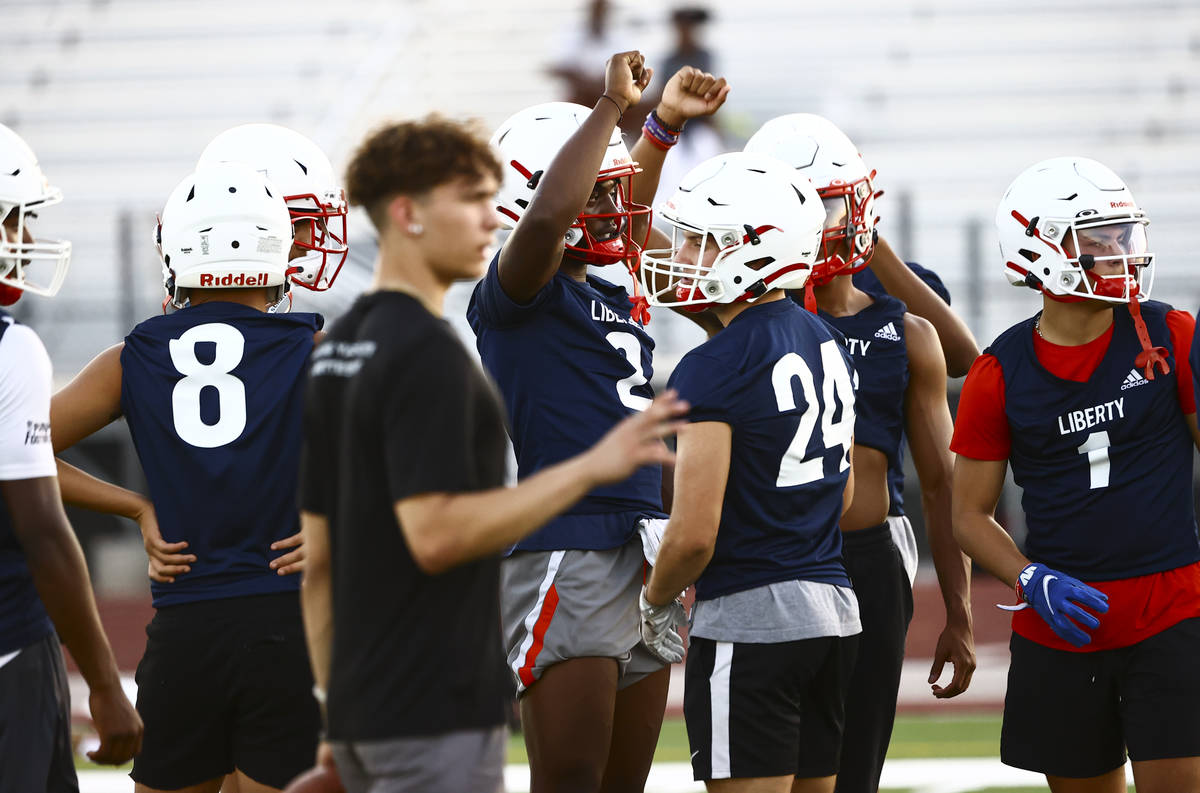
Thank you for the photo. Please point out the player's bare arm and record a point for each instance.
(533, 252)
(957, 341)
(701, 469)
(91, 401)
(928, 427)
(443, 529)
(975, 491)
(316, 595)
(690, 93)
(61, 576)
(848, 493)
(1193, 428)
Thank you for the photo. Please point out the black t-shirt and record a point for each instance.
(397, 407)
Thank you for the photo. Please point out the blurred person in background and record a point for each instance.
(901, 393)
(212, 394)
(1091, 401)
(572, 357)
(45, 590)
(401, 589)
(763, 476)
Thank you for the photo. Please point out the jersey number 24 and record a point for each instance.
(795, 468)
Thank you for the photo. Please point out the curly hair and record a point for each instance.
(413, 157)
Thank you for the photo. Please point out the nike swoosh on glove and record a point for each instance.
(659, 626)
(1057, 598)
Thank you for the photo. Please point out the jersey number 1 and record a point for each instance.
(230, 345)
(795, 468)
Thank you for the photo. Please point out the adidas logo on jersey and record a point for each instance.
(888, 332)
(1133, 380)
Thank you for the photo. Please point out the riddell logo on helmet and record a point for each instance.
(1119, 204)
(241, 279)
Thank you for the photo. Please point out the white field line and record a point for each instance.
(922, 776)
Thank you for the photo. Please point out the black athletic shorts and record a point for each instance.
(885, 604)
(1074, 714)
(35, 721)
(766, 709)
(226, 684)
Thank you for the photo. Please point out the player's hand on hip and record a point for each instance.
(660, 628)
(167, 559)
(956, 644)
(691, 93)
(118, 725)
(292, 562)
(626, 76)
(1060, 601)
(637, 440)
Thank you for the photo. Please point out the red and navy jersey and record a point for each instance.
(213, 395)
(570, 364)
(781, 379)
(23, 619)
(875, 337)
(1106, 464)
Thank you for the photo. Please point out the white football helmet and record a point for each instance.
(224, 227)
(299, 168)
(1061, 217)
(763, 217)
(820, 151)
(26, 262)
(525, 145)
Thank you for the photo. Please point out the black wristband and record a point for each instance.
(616, 104)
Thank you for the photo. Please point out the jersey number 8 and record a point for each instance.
(230, 345)
(794, 468)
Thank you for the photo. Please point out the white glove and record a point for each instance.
(651, 531)
(659, 626)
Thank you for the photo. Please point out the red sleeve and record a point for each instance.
(1182, 325)
(981, 428)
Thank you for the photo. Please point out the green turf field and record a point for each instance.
(914, 736)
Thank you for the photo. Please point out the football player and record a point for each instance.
(1091, 402)
(901, 392)
(401, 590)
(45, 591)
(317, 206)
(212, 394)
(572, 358)
(762, 477)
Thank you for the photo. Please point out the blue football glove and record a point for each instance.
(1057, 598)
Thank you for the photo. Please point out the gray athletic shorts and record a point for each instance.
(901, 529)
(559, 605)
(470, 761)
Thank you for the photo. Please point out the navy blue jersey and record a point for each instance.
(1106, 465)
(875, 337)
(214, 399)
(780, 378)
(866, 280)
(23, 619)
(570, 364)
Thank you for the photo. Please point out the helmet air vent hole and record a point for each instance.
(233, 189)
(798, 193)
(204, 231)
(16, 172)
(303, 167)
(1045, 271)
(192, 193)
(1032, 256)
(737, 279)
(236, 244)
(522, 203)
(167, 260)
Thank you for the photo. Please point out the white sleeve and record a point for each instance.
(25, 384)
